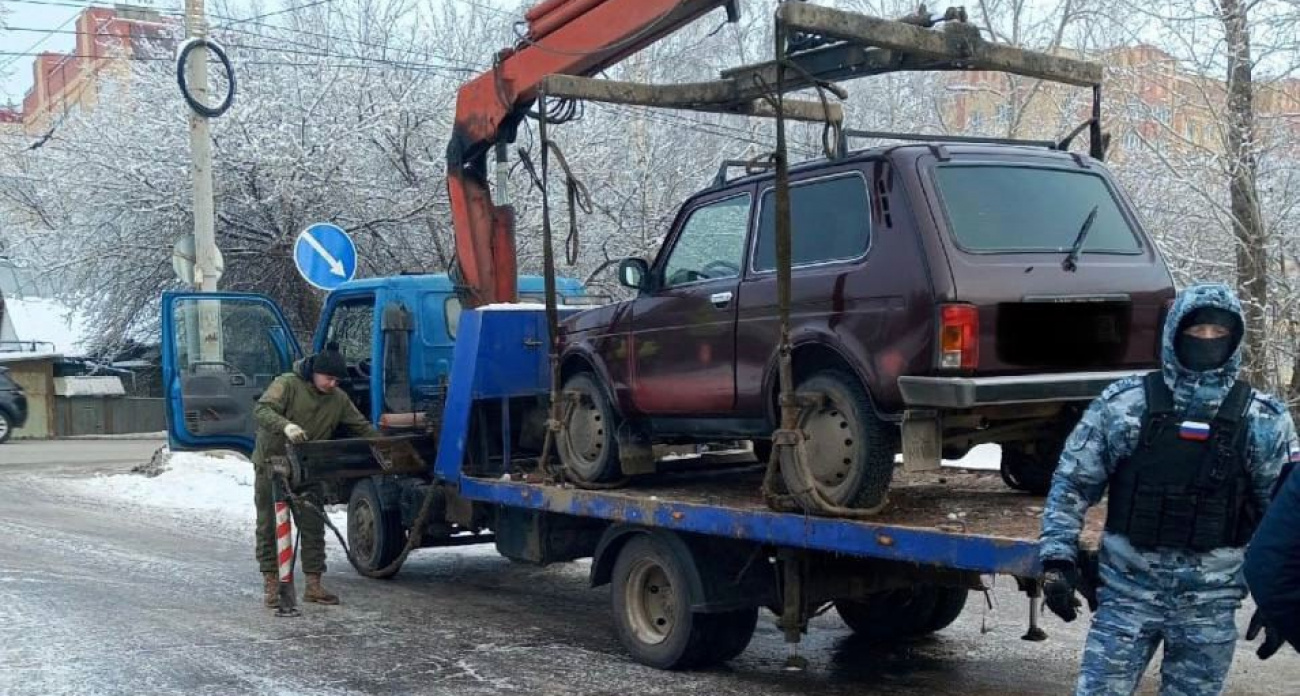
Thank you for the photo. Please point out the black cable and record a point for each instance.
(183, 59)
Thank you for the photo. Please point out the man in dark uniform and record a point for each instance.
(302, 405)
(1189, 455)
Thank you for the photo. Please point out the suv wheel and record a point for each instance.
(6, 427)
(587, 445)
(850, 449)
(1029, 466)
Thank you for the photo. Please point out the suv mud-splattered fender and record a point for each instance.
(811, 338)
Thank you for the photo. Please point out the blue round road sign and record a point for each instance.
(325, 256)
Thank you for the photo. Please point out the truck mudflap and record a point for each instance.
(971, 392)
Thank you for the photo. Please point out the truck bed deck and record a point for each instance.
(950, 518)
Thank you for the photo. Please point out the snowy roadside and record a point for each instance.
(217, 486)
(221, 485)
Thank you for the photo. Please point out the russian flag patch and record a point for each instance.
(1195, 431)
(1294, 457)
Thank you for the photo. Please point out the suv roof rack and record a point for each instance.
(750, 166)
(939, 138)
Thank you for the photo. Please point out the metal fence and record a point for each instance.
(108, 416)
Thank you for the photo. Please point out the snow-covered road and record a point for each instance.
(113, 583)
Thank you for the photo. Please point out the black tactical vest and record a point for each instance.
(1180, 493)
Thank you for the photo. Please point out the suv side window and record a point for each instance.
(351, 326)
(711, 245)
(830, 220)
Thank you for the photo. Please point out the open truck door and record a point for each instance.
(220, 351)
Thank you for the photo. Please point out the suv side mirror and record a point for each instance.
(634, 273)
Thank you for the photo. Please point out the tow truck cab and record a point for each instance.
(396, 334)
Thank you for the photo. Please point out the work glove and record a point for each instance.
(1060, 588)
(295, 433)
(1272, 640)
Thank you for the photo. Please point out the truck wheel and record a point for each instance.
(731, 632)
(652, 609)
(850, 450)
(6, 427)
(587, 446)
(375, 533)
(890, 615)
(1029, 471)
(948, 605)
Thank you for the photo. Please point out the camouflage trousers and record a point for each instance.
(1198, 645)
(310, 526)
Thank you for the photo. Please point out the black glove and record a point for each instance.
(1060, 584)
(1272, 641)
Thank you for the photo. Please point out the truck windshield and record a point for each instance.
(998, 209)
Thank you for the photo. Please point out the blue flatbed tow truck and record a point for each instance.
(693, 551)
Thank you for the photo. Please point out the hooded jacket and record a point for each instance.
(1108, 433)
(292, 398)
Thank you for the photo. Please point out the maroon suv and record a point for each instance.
(953, 294)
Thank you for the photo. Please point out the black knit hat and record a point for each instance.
(329, 362)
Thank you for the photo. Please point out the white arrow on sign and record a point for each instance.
(336, 266)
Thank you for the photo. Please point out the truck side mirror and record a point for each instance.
(634, 273)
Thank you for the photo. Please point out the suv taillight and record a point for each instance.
(959, 332)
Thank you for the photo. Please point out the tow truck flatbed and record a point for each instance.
(951, 518)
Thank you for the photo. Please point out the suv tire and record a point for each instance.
(6, 426)
(587, 445)
(1031, 472)
(850, 449)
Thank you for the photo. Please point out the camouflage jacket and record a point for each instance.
(1108, 433)
(293, 399)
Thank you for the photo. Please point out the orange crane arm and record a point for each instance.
(572, 37)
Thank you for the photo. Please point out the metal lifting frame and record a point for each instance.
(845, 45)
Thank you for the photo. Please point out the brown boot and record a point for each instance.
(271, 589)
(317, 593)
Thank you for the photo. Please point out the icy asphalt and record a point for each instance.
(103, 593)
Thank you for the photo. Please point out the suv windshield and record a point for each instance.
(995, 209)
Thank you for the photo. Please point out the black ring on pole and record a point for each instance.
(199, 107)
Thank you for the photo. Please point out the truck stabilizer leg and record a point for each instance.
(284, 551)
(1035, 633)
(794, 609)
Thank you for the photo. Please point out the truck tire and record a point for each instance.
(6, 427)
(375, 534)
(1028, 471)
(652, 609)
(587, 445)
(850, 449)
(948, 605)
(891, 615)
(903, 613)
(731, 632)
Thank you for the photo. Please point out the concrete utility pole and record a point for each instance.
(196, 76)
(205, 240)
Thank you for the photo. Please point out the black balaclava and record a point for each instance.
(1205, 354)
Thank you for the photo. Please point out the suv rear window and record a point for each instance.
(829, 221)
(996, 209)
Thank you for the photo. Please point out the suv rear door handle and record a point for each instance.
(720, 299)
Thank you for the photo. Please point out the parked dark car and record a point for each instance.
(13, 405)
(934, 289)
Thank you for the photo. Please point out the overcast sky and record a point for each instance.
(16, 71)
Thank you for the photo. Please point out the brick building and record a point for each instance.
(107, 38)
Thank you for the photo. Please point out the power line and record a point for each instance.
(41, 40)
(254, 18)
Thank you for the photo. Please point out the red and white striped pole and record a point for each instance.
(284, 548)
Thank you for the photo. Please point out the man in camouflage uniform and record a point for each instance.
(302, 405)
(1185, 480)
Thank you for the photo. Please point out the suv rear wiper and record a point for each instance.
(1071, 262)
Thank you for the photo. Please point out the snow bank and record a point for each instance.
(190, 482)
(980, 458)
